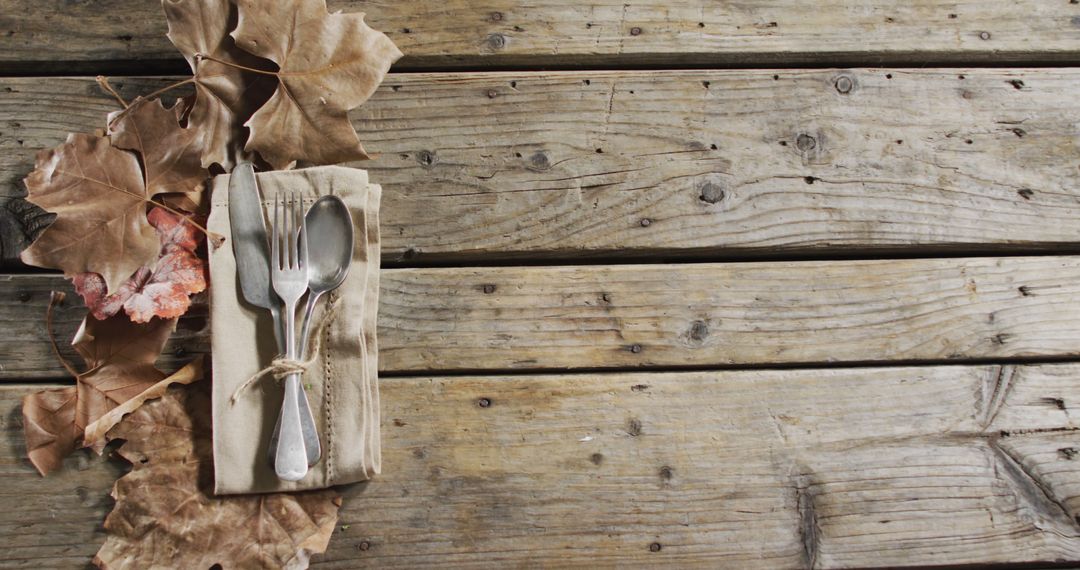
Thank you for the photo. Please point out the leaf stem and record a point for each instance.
(104, 83)
(200, 56)
(55, 298)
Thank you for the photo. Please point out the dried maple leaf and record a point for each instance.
(328, 64)
(165, 516)
(225, 95)
(94, 435)
(98, 195)
(49, 427)
(162, 290)
(171, 158)
(120, 359)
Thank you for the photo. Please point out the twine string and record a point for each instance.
(280, 366)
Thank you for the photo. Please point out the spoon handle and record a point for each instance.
(307, 421)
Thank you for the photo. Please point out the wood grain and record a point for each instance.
(648, 316)
(877, 467)
(111, 35)
(681, 164)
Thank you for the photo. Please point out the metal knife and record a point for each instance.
(252, 253)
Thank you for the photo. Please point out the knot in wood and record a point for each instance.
(805, 142)
(426, 158)
(635, 31)
(711, 192)
(496, 41)
(844, 84)
(540, 161)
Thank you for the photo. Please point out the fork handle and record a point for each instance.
(290, 460)
(307, 421)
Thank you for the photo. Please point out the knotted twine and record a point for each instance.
(281, 366)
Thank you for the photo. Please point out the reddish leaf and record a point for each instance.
(163, 291)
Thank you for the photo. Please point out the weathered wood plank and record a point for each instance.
(625, 316)
(782, 469)
(116, 35)
(710, 164)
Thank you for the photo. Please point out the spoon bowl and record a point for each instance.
(330, 239)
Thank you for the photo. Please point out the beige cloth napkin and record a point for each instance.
(342, 385)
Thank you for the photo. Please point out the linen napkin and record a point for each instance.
(342, 384)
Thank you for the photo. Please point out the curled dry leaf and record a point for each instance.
(97, 193)
(328, 64)
(162, 290)
(94, 435)
(165, 516)
(119, 357)
(225, 95)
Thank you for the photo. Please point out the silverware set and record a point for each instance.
(309, 253)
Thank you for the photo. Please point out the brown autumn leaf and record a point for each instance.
(162, 290)
(119, 356)
(225, 95)
(49, 427)
(166, 517)
(98, 195)
(171, 155)
(94, 435)
(328, 64)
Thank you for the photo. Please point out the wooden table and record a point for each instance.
(668, 283)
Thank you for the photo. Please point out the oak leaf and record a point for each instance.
(162, 290)
(119, 357)
(98, 195)
(166, 517)
(328, 64)
(225, 95)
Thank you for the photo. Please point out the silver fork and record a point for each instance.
(289, 274)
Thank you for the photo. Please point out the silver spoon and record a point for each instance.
(330, 235)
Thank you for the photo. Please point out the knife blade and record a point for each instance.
(249, 241)
(252, 253)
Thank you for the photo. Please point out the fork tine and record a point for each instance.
(303, 237)
(294, 230)
(275, 229)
